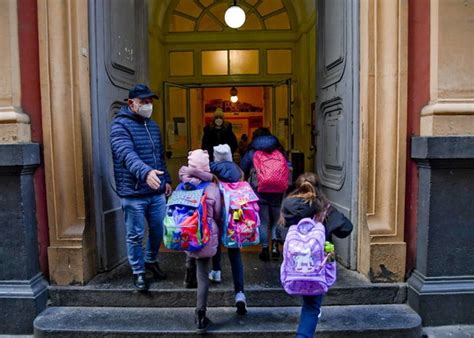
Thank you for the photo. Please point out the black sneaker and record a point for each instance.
(264, 255)
(275, 250)
(201, 321)
(154, 268)
(140, 283)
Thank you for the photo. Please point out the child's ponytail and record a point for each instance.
(306, 192)
(308, 187)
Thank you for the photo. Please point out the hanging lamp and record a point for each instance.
(234, 16)
(233, 95)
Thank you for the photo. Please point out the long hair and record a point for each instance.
(308, 187)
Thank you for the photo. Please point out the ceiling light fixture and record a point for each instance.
(234, 16)
(233, 95)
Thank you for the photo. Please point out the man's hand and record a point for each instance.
(168, 190)
(152, 179)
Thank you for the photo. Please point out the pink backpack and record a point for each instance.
(272, 171)
(241, 219)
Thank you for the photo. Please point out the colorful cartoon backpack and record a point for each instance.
(240, 219)
(271, 170)
(306, 269)
(185, 223)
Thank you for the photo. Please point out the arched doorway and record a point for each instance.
(187, 43)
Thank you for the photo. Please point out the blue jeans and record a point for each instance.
(136, 209)
(269, 215)
(309, 316)
(235, 263)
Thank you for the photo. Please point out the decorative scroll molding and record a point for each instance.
(334, 48)
(332, 170)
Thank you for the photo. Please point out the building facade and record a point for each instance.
(394, 78)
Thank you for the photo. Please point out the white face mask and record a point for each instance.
(218, 122)
(145, 110)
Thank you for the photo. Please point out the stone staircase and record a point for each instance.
(109, 306)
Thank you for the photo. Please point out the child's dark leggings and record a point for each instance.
(236, 265)
(202, 274)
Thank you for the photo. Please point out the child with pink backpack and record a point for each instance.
(233, 234)
(197, 176)
(267, 168)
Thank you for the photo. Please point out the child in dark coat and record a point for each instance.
(308, 201)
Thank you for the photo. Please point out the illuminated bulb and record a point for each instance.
(234, 16)
(233, 95)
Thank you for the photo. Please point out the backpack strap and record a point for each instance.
(323, 215)
(203, 185)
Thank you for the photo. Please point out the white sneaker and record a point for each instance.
(320, 313)
(215, 276)
(241, 303)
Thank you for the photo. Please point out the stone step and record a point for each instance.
(262, 288)
(337, 321)
(343, 295)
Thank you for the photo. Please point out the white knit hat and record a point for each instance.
(222, 153)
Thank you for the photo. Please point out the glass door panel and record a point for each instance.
(196, 117)
(282, 113)
(176, 125)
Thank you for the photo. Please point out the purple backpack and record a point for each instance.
(305, 270)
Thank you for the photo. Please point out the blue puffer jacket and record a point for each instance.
(136, 149)
(226, 171)
(264, 143)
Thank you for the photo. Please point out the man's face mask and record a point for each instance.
(219, 122)
(143, 109)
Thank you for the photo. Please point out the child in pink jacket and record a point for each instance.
(197, 263)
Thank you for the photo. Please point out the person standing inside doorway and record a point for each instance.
(267, 168)
(142, 180)
(218, 132)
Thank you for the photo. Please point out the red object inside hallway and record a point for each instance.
(31, 105)
(418, 97)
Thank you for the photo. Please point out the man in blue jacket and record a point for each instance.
(141, 179)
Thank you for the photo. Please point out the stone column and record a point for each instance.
(441, 289)
(14, 124)
(23, 290)
(383, 124)
(66, 112)
(451, 107)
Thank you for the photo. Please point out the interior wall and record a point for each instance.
(243, 122)
(252, 95)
